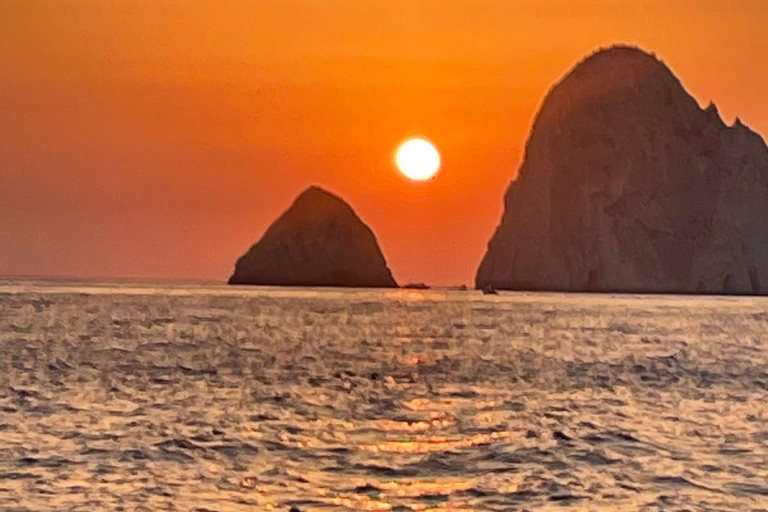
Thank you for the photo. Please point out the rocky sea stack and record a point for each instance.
(629, 186)
(319, 241)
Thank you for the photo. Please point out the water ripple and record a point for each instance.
(220, 399)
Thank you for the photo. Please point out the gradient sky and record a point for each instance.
(158, 139)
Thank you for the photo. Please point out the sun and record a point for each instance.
(417, 159)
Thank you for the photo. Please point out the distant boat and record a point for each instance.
(490, 290)
(417, 286)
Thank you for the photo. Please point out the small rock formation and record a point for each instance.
(319, 241)
(629, 186)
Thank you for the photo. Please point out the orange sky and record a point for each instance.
(157, 139)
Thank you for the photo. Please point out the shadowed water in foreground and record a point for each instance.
(219, 399)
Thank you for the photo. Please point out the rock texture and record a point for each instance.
(629, 186)
(319, 241)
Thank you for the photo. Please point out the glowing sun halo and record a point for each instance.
(417, 159)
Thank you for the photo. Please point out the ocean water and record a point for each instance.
(222, 399)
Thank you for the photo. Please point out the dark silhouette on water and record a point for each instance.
(417, 286)
(489, 290)
(629, 186)
(319, 241)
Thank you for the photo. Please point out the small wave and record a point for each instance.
(45, 462)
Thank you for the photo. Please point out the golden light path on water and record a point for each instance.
(202, 399)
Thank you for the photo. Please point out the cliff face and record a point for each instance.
(628, 185)
(319, 241)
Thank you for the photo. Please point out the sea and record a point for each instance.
(213, 398)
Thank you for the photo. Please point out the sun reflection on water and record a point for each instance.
(203, 403)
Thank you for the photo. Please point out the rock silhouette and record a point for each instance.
(629, 186)
(318, 241)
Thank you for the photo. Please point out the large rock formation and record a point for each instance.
(319, 241)
(629, 186)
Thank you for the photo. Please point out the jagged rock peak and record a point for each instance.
(625, 59)
(629, 185)
(316, 197)
(318, 241)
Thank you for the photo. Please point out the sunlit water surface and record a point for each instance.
(225, 399)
